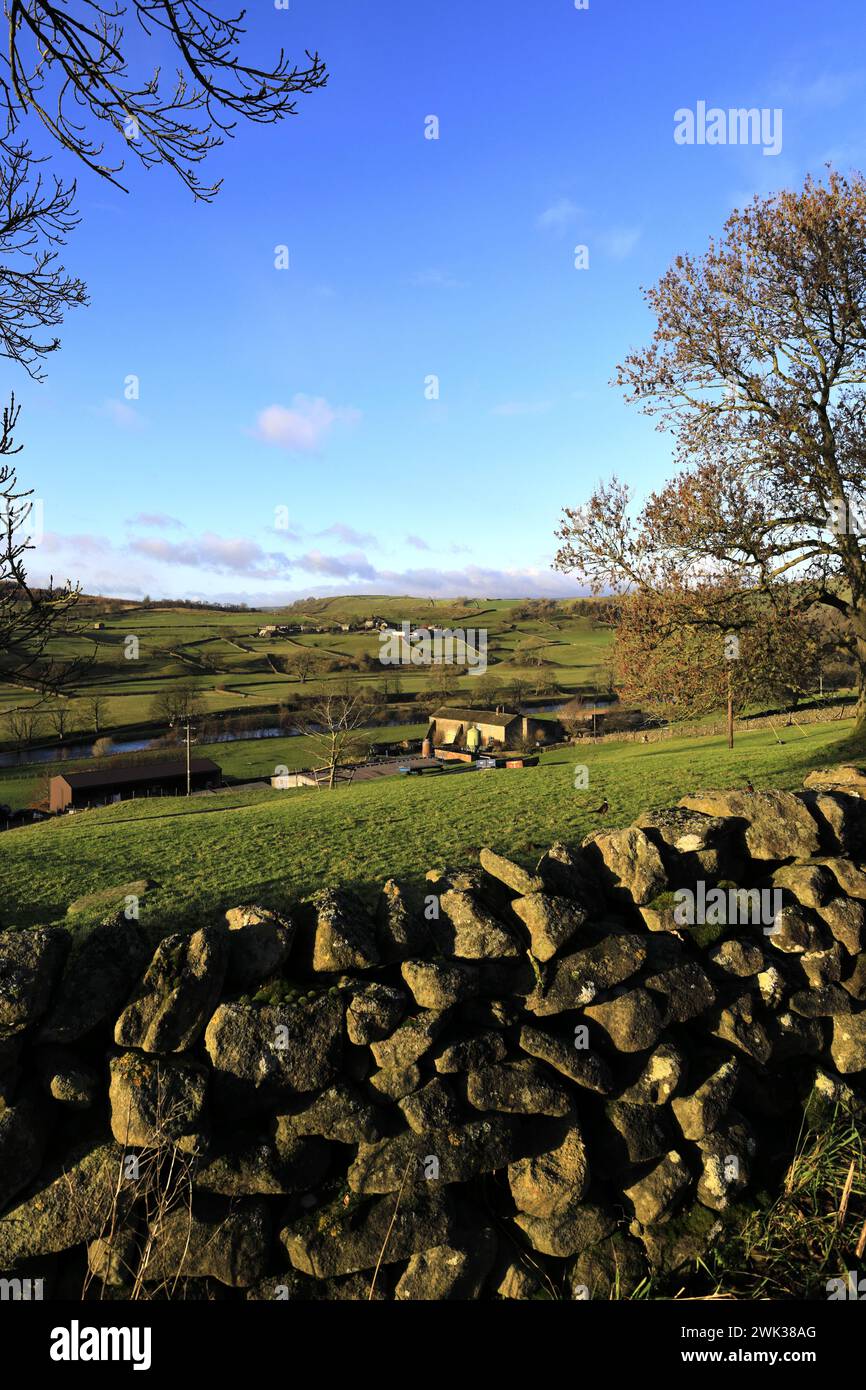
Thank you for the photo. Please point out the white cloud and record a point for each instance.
(220, 554)
(818, 91)
(121, 414)
(620, 242)
(559, 216)
(353, 565)
(258, 576)
(304, 426)
(53, 543)
(158, 521)
(348, 535)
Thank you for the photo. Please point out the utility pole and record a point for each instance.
(185, 720)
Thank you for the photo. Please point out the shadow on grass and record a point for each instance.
(852, 748)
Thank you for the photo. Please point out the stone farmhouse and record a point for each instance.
(467, 730)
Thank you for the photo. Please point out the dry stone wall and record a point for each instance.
(514, 1084)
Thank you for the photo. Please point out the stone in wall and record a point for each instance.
(557, 1086)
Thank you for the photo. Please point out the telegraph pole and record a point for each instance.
(186, 721)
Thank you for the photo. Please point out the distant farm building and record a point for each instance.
(283, 629)
(468, 730)
(72, 790)
(363, 772)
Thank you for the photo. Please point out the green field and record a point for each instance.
(257, 844)
(241, 761)
(232, 668)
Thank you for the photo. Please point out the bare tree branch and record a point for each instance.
(29, 617)
(69, 65)
(35, 291)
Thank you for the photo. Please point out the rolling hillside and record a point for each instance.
(233, 669)
(213, 852)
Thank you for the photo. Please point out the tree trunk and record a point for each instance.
(859, 620)
(332, 762)
(730, 714)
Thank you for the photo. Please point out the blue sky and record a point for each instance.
(304, 389)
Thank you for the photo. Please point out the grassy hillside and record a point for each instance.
(210, 853)
(233, 668)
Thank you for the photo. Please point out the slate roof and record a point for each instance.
(476, 716)
(136, 772)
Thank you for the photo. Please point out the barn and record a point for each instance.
(72, 790)
(470, 729)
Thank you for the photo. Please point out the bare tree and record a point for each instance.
(72, 71)
(177, 702)
(60, 718)
(22, 724)
(35, 290)
(67, 65)
(441, 684)
(302, 664)
(573, 717)
(96, 707)
(484, 689)
(29, 617)
(530, 653)
(332, 725)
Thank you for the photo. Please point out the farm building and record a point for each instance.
(470, 729)
(75, 789)
(280, 629)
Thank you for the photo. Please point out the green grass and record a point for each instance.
(792, 1242)
(209, 853)
(241, 761)
(224, 658)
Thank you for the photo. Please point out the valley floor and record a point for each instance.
(257, 844)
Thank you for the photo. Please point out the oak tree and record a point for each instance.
(757, 366)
